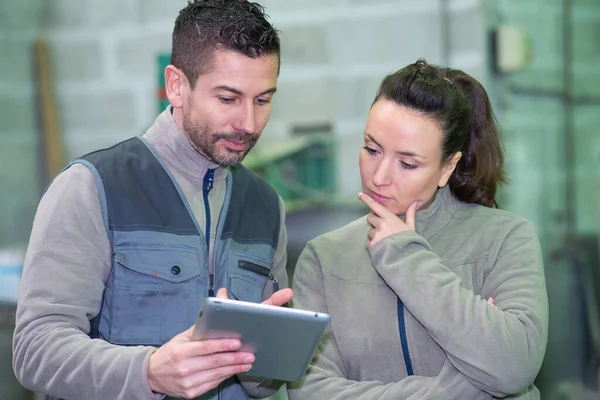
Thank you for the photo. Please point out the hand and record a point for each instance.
(184, 367)
(384, 222)
(490, 301)
(278, 298)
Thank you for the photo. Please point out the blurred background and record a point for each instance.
(78, 75)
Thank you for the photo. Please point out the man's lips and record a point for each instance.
(237, 145)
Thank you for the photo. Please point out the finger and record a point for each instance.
(371, 233)
(409, 217)
(374, 220)
(490, 301)
(374, 206)
(215, 361)
(210, 346)
(204, 381)
(222, 293)
(201, 389)
(185, 336)
(280, 297)
(210, 379)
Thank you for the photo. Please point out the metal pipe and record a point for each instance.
(569, 120)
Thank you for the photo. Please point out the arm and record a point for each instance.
(67, 263)
(265, 388)
(511, 335)
(325, 378)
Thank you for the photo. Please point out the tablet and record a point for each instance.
(282, 339)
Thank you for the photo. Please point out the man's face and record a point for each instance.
(230, 105)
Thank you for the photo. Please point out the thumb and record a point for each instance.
(410, 218)
(184, 336)
(222, 293)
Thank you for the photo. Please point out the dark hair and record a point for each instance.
(459, 103)
(205, 26)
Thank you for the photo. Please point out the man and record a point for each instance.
(127, 241)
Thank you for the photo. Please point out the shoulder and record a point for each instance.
(345, 239)
(74, 181)
(491, 233)
(501, 221)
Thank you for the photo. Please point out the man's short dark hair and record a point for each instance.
(206, 26)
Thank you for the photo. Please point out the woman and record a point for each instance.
(436, 294)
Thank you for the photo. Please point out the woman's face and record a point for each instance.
(400, 161)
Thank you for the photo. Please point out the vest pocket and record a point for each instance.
(155, 294)
(248, 276)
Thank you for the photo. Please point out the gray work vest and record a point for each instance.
(160, 273)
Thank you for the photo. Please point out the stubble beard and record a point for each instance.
(204, 141)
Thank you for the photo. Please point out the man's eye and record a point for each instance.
(262, 102)
(226, 100)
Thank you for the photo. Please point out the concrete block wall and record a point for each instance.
(20, 23)
(533, 116)
(335, 53)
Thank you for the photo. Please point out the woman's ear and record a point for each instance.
(174, 86)
(449, 168)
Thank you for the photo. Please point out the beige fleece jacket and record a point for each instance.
(459, 346)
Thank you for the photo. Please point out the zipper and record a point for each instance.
(260, 270)
(207, 185)
(209, 179)
(403, 339)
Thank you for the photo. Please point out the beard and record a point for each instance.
(204, 140)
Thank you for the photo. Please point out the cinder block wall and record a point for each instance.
(335, 53)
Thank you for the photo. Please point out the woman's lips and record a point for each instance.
(378, 197)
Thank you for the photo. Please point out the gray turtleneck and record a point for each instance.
(67, 264)
(458, 345)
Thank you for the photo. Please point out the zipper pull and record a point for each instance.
(275, 282)
(209, 179)
(211, 289)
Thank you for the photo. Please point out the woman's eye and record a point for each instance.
(370, 150)
(407, 165)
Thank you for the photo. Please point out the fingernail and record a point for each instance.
(249, 359)
(360, 194)
(234, 345)
(246, 367)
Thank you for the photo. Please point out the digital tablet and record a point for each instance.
(282, 339)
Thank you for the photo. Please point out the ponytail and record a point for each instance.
(460, 105)
(480, 170)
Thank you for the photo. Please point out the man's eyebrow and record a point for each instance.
(268, 91)
(228, 88)
(239, 92)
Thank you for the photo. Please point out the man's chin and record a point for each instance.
(231, 159)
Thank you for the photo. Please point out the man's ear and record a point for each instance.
(175, 82)
(449, 168)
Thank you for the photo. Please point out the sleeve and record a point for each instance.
(325, 378)
(66, 265)
(265, 388)
(511, 335)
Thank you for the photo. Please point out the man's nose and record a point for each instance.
(246, 119)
